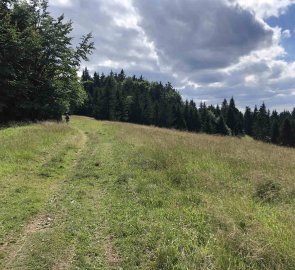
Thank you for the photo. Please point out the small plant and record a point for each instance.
(268, 192)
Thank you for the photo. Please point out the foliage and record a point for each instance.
(118, 97)
(38, 65)
(287, 133)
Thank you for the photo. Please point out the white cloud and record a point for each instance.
(61, 2)
(211, 49)
(286, 33)
(265, 8)
(204, 34)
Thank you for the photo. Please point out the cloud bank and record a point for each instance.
(209, 49)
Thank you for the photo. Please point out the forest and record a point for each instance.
(116, 97)
(39, 81)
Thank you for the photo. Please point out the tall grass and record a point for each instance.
(202, 202)
(138, 197)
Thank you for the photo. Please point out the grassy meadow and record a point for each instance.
(104, 195)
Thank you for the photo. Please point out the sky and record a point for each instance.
(208, 49)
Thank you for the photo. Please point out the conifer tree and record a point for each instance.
(102, 79)
(156, 117)
(179, 121)
(197, 122)
(224, 109)
(194, 121)
(121, 76)
(147, 109)
(287, 134)
(248, 121)
(109, 98)
(275, 132)
(209, 122)
(232, 117)
(218, 111)
(221, 127)
(96, 80)
(261, 126)
(119, 105)
(187, 115)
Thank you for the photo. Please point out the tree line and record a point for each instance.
(116, 97)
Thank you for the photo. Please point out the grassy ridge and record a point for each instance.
(102, 195)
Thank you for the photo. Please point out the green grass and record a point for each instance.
(103, 195)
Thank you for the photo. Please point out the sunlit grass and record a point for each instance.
(137, 197)
(189, 201)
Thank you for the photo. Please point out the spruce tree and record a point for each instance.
(96, 80)
(187, 115)
(221, 127)
(102, 79)
(275, 132)
(233, 118)
(287, 134)
(156, 118)
(261, 126)
(121, 76)
(119, 106)
(109, 98)
(194, 121)
(179, 121)
(224, 109)
(218, 111)
(248, 121)
(147, 109)
(197, 122)
(209, 122)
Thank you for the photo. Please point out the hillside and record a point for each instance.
(106, 195)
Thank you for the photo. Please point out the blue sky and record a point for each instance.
(286, 21)
(208, 49)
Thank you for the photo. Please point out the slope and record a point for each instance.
(103, 195)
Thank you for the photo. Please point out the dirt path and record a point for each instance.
(71, 231)
(43, 221)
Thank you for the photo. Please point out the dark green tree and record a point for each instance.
(179, 121)
(224, 109)
(221, 127)
(261, 126)
(275, 132)
(194, 120)
(121, 76)
(109, 99)
(96, 80)
(287, 134)
(235, 119)
(248, 121)
(38, 64)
